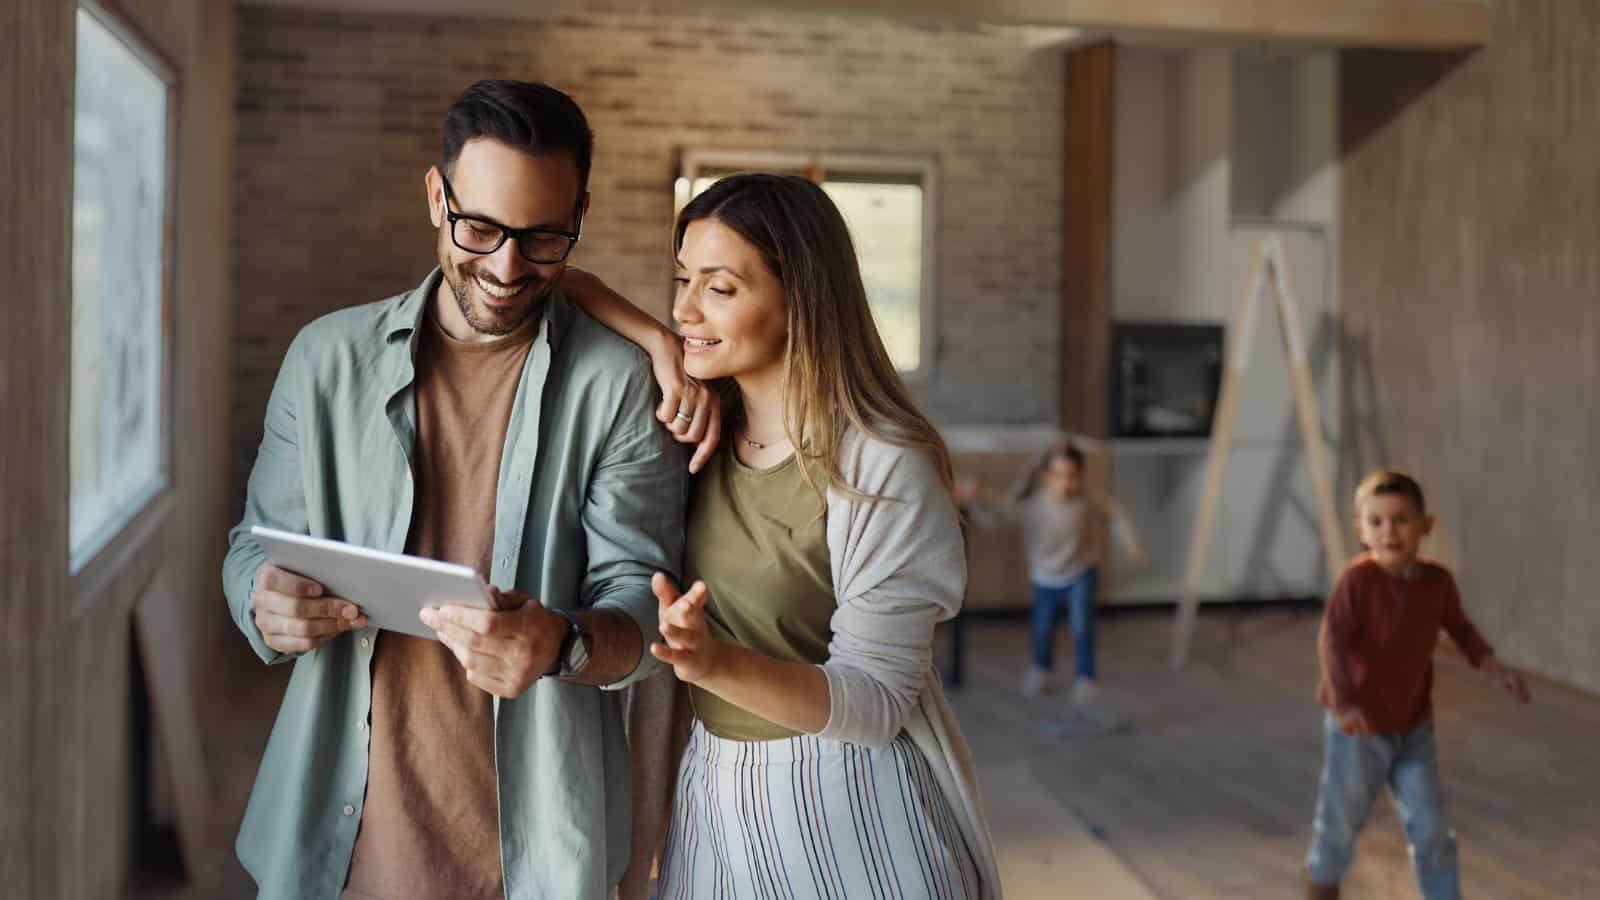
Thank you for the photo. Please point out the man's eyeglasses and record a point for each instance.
(484, 236)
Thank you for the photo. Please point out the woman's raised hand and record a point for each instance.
(690, 649)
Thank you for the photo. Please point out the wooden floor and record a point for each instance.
(244, 700)
(1210, 794)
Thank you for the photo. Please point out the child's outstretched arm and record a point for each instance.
(969, 497)
(1024, 484)
(1122, 527)
(1510, 681)
(1477, 650)
(688, 409)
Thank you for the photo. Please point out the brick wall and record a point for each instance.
(339, 119)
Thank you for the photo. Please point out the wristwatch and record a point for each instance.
(573, 656)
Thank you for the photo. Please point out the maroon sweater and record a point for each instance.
(1378, 636)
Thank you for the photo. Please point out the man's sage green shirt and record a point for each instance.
(589, 505)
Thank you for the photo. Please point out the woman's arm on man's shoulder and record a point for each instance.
(688, 409)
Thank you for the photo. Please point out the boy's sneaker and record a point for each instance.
(1085, 691)
(1033, 681)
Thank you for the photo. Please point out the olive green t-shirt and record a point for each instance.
(758, 539)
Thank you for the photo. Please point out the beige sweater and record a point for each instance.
(899, 567)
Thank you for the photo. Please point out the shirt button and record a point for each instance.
(361, 726)
(366, 642)
(349, 810)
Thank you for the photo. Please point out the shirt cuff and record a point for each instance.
(647, 623)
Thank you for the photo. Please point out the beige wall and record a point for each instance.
(1471, 286)
(1196, 133)
(340, 116)
(65, 758)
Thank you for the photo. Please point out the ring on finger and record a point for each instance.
(685, 416)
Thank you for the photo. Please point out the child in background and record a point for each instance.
(1378, 634)
(1063, 531)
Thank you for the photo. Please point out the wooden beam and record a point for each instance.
(1269, 270)
(1416, 24)
(1086, 240)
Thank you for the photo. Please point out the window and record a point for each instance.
(888, 204)
(121, 235)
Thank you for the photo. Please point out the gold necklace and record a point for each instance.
(757, 445)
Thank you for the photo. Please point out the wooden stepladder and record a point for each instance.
(1267, 266)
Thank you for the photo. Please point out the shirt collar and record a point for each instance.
(404, 318)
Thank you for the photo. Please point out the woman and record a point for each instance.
(823, 547)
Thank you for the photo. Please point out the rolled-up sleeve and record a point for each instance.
(900, 569)
(275, 496)
(633, 517)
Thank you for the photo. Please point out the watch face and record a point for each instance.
(578, 658)
(577, 651)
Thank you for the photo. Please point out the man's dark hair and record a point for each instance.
(1389, 481)
(532, 117)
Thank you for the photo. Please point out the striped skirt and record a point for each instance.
(801, 817)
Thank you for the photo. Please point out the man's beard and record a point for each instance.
(461, 286)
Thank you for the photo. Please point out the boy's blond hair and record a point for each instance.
(1390, 481)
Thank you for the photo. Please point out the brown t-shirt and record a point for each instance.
(430, 827)
(1377, 640)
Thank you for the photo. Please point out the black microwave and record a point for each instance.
(1164, 378)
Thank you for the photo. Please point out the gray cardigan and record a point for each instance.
(899, 567)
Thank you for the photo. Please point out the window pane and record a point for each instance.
(885, 220)
(886, 224)
(119, 191)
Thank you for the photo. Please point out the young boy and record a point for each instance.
(1378, 635)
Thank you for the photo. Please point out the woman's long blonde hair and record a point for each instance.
(836, 370)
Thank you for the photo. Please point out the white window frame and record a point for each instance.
(694, 163)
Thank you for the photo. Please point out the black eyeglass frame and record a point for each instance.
(508, 233)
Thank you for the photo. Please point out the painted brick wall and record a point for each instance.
(339, 119)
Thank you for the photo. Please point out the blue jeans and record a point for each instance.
(1077, 598)
(1354, 770)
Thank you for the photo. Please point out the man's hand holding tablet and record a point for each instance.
(311, 589)
(294, 615)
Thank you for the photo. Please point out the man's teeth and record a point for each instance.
(703, 342)
(500, 292)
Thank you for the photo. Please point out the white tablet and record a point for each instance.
(391, 588)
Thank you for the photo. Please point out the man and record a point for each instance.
(480, 419)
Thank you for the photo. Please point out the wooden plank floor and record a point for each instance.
(1210, 794)
(240, 704)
